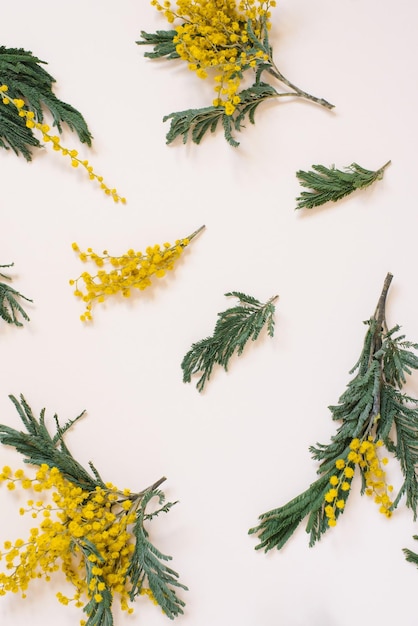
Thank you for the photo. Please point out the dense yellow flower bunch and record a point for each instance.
(132, 270)
(55, 142)
(74, 522)
(214, 34)
(364, 454)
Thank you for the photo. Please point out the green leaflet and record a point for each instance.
(411, 556)
(29, 81)
(369, 408)
(147, 563)
(163, 44)
(328, 184)
(234, 328)
(10, 307)
(196, 123)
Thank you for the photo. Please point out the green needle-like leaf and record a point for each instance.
(26, 79)
(370, 407)
(328, 184)
(234, 328)
(10, 307)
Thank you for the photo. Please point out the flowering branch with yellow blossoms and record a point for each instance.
(25, 88)
(372, 406)
(132, 270)
(227, 40)
(91, 530)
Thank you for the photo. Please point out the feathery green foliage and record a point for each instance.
(10, 307)
(197, 122)
(21, 71)
(328, 184)
(371, 407)
(147, 563)
(234, 328)
(411, 556)
(162, 40)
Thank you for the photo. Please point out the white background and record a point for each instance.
(241, 447)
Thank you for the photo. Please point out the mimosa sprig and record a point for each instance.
(234, 328)
(91, 530)
(328, 184)
(10, 307)
(25, 91)
(372, 405)
(132, 270)
(230, 40)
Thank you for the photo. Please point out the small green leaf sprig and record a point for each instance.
(329, 184)
(10, 307)
(372, 405)
(229, 41)
(91, 530)
(25, 93)
(234, 328)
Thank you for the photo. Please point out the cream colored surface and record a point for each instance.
(240, 448)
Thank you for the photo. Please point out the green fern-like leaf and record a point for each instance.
(278, 525)
(148, 564)
(162, 40)
(405, 419)
(38, 447)
(411, 556)
(10, 307)
(196, 123)
(251, 99)
(369, 409)
(234, 328)
(328, 184)
(26, 79)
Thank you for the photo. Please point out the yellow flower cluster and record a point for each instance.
(214, 34)
(364, 454)
(132, 270)
(71, 518)
(55, 142)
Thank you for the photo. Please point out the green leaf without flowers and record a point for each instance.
(234, 328)
(162, 40)
(328, 184)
